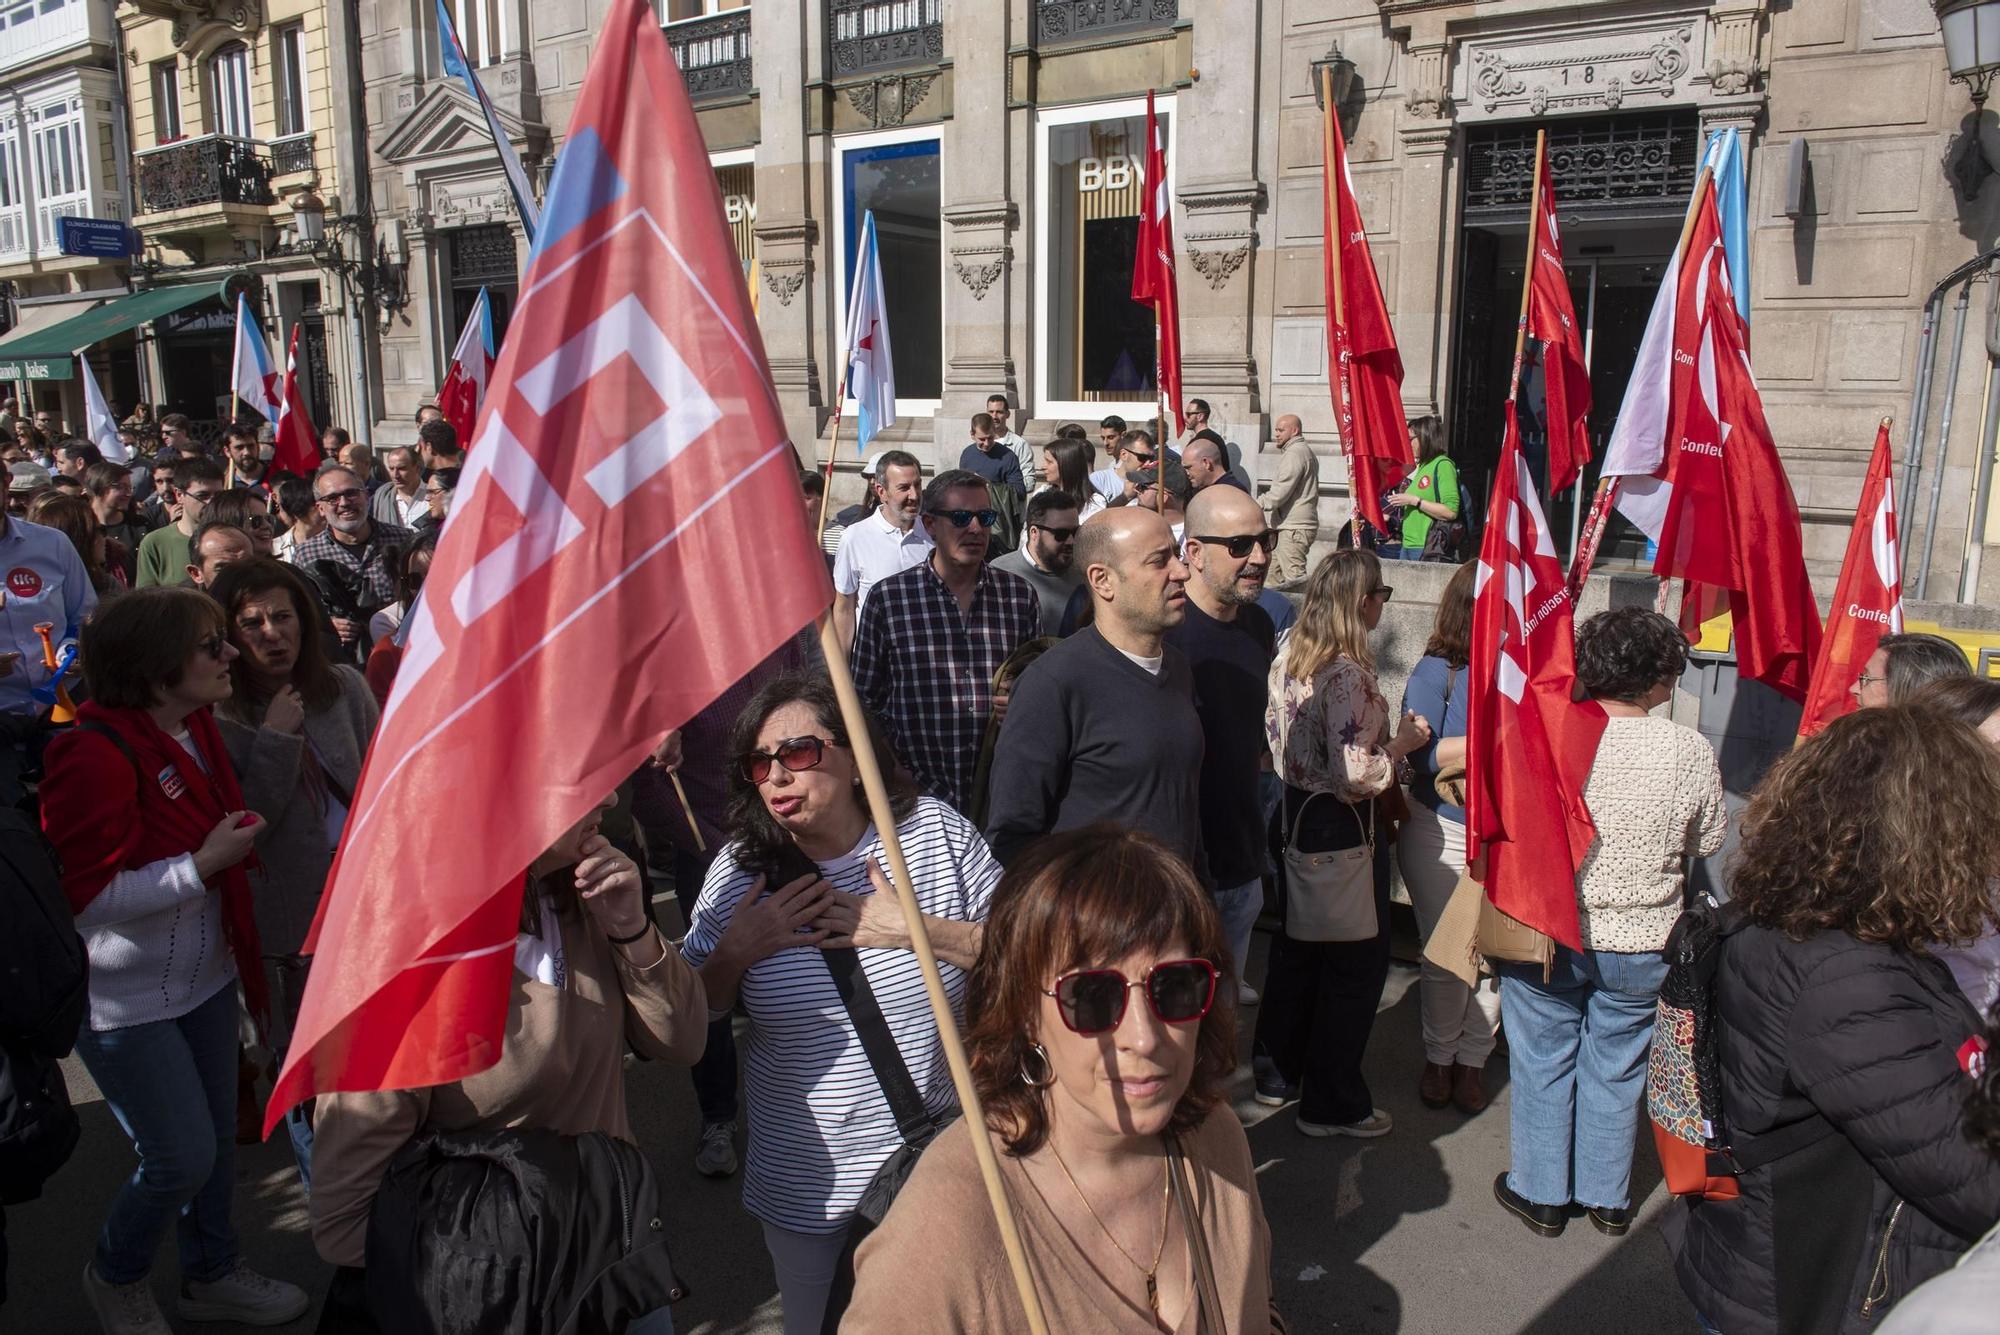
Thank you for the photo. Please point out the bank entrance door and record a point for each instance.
(1622, 185)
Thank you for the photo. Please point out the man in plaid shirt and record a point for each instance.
(931, 638)
(354, 552)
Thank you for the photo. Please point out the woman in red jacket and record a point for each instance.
(143, 808)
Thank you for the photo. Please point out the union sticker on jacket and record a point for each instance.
(171, 783)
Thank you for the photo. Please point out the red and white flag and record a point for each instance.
(1868, 601)
(1552, 322)
(1153, 280)
(611, 564)
(1361, 343)
(464, 388)
(250, 373)
(296, 449)
(1529, 747)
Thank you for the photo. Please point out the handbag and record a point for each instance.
(1330, 896)
(1208, 1294)
(1502, 937)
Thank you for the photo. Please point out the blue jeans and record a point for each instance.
(172, 1086)
(1239, 907)
(1578, 1072)
(1402, 553)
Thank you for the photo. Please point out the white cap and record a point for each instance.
(869, 468)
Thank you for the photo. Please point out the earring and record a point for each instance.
(1048, 1070)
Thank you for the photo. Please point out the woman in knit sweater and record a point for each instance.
(297, 728)
(1579, 1035)
(143, 809)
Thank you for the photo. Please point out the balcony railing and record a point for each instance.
(212, 169)
(714, 54)
(1069, 20)
(883, 34)
(293, 153)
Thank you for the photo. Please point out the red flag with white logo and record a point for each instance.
(471, 370)
(296, 448)
(1529, 747)
(612, 562)
(1153, 280)
(1731, 520)
(1868, 601)
(1361, 343)
(1552, 322)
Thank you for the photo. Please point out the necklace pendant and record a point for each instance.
(1153, 1296)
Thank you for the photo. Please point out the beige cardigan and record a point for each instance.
(561, 1068)
(936, 1264)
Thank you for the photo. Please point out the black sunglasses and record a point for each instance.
(1240, 544)
(1382, 591)
(960, 518)
(1092, 1001)
(213, 645)
(1142, 458)
(794, 753)
(1059, 534)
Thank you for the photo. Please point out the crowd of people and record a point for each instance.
(1125, 716)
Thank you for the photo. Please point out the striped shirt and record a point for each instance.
(820, 1126)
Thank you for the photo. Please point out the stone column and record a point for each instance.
(782, 50)
(1215, 178)
(978, 222)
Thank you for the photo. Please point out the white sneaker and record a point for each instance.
(1246, 995)
(1376, 1123)
(124, 1309)
(243, 1296)
(717, 1155)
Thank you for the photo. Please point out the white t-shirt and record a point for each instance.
(820, 1125)
(873, 550)
(1023, 451)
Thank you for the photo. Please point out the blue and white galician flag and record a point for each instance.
(1724, 157)
(456, 65)
(871, 371)
(100, 427)
(250, 372)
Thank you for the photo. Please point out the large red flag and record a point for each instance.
(1528, 746)
(1731, 520)
(1552, 321)
(611, 564)
(1361, 343)
(1153, 280)
(1868, 601)
(296, 449)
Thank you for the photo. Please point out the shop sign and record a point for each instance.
(103, 238)
(37, 368)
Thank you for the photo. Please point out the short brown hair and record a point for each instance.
(1882, 826)
(1970, 700)
(1082, 899)
(139, 643)
(1451, 633)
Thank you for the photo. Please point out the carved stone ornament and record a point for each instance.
(786, 282)
(1218, 266)
(888, 102)
(1581, 75)
(978, 277)
(190, 16)
(1731, 77)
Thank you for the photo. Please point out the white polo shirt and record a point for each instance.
(873, 550)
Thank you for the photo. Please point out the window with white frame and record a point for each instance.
(481, 28)
(57, 141)
(10, 165)
(166, 102)
(229, 91)
(896, 175)
(288, 49)
(673, 11)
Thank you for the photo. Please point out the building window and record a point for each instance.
(673, 11)
(737, 177)
(481, 29)
(289, 47)
(58, 152)
(166, 102)
(900, 182)
(229, 91)
(10, 166)
(1095, 342)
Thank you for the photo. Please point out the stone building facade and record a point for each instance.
(1000, 146)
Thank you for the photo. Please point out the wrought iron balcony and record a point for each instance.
(293, 153)
(884, 34)
(713, 52)
(1071, 20)
(211, 169)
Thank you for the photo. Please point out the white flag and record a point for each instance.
(871, 372)
(250, 372)
(99, 425)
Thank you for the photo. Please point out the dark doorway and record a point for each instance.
(195, 346)
(481, 257)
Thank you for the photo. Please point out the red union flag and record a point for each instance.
(1868, 601)
(1153, 280)
(1528, 747)
(1552, 321)
(624, 544)
(296, 449)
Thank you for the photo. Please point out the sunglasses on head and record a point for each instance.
(960, 518)
(1240, 544)
(794, 753)
(1092, 1001)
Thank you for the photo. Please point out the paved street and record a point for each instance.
(1399, 1234)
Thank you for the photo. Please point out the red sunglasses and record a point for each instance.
(1092, 1001)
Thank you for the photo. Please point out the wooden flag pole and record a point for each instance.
(1528, 268)
(832, 453)
(1329, 108)
(865, 760)
(1159, 419)
(687, 810)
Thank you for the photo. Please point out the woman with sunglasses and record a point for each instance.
(142, 806)
(1102, 1060)
(297, 727)
(1328, 728)
(248, 511)
(803, 870)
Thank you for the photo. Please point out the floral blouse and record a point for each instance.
(1329, 734)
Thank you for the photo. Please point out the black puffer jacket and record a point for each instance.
(1867, 1037)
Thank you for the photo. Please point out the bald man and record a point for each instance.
(1206, 462)
(1292, 503)
(1103, 726)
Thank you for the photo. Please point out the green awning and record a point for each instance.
(49, 354)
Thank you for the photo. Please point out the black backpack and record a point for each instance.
(43, 995)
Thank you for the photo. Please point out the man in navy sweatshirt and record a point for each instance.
(1103, 726)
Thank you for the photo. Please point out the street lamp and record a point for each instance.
(1971, 42)
(342, 244)
(1343, 71)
